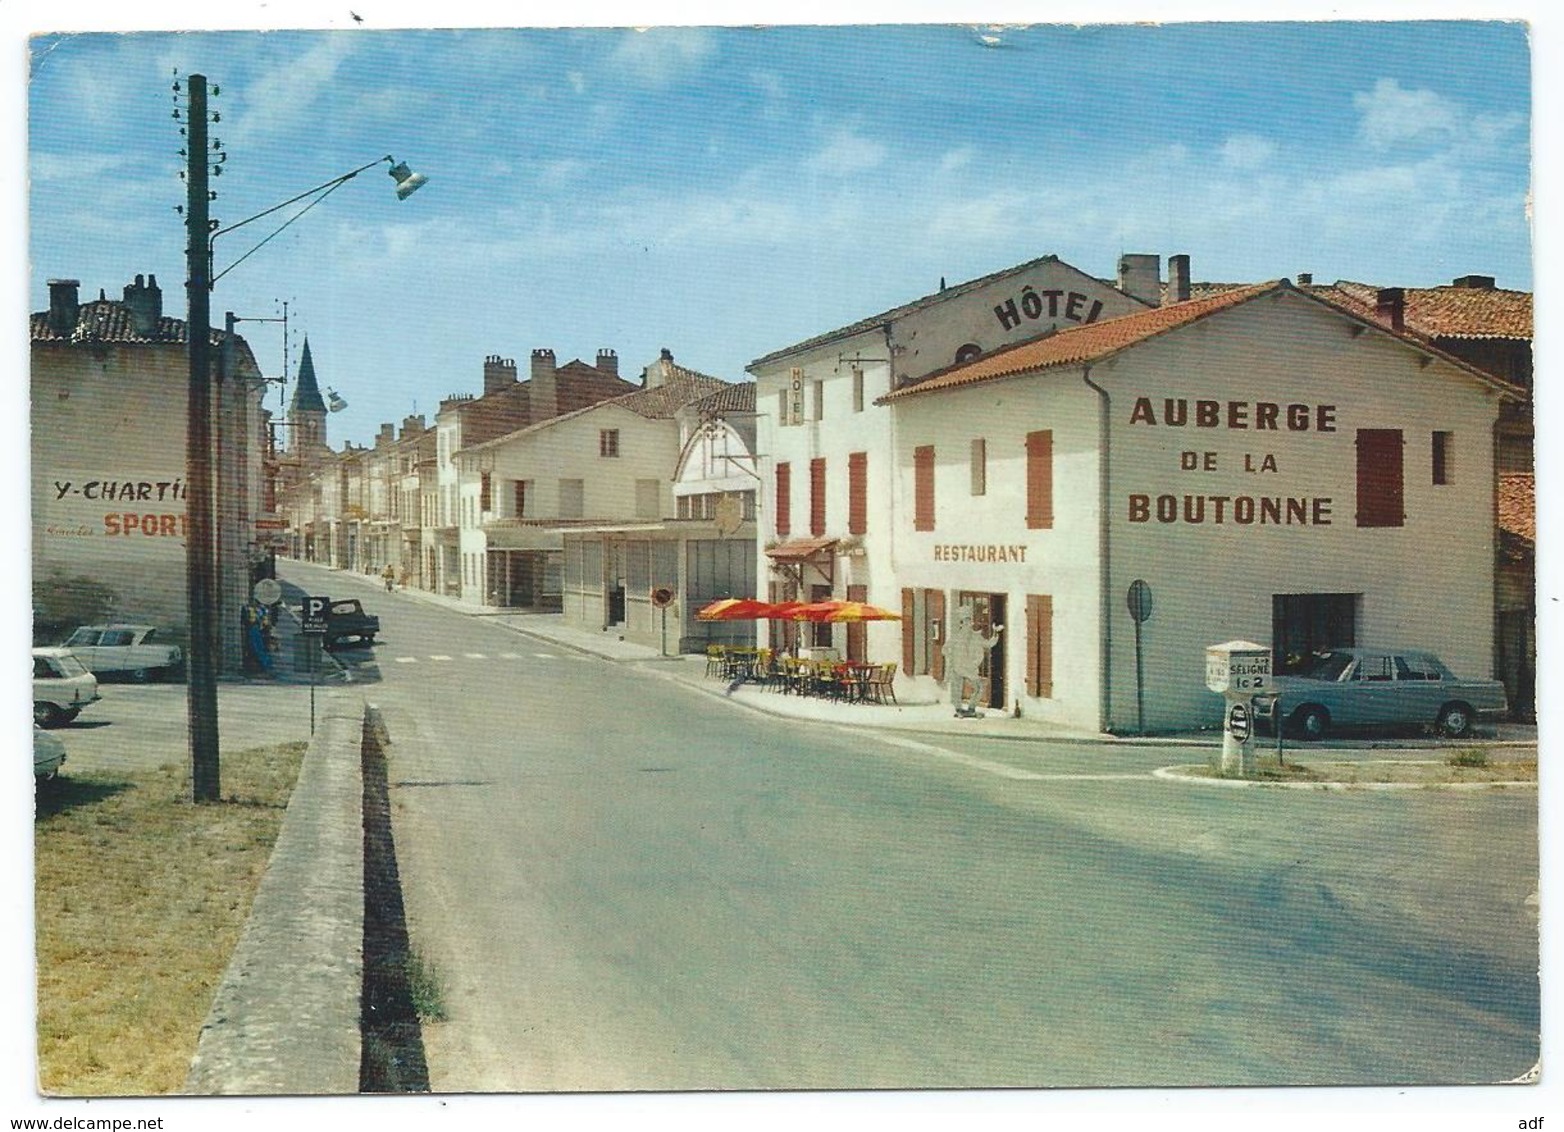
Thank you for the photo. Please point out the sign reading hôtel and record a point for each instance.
(1243, 509)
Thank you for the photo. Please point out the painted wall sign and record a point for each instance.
(958, 552)
(1051, 303)
(139, 506)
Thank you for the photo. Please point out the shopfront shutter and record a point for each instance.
(784, 500)
(1381, 496)
(936, 607)
(1040, 645)
(923, 488)
(817, 496)
(909, 632)
(857, 631)
(1040, 480)
(857, 493)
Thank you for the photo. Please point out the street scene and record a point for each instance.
(582, 604)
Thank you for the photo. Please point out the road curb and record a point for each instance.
(1177, 774)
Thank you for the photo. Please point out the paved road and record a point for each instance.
(626, 884)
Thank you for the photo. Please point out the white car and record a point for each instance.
(48, 754)
(62, 686)
(135, 651)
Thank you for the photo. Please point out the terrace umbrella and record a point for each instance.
(735, 609)
(855, 611)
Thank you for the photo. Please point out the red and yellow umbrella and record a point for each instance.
(838, 612)
(735, 609)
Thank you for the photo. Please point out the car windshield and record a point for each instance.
(1328, 667)
(67, 665)
(82, 637)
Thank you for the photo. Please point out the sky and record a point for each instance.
(723, 192)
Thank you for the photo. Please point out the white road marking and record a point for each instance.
(407, 660)
(509, 656)
(439, 658)
(1002, 770)
(475, 656)
(545, 656)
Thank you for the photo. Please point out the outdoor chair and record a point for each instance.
(883, 683)
(715, 660)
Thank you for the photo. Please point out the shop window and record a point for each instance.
(857, 493)
(784, 500)
(923, 488)
(1040, 646)
(1444, 458)
(1305, 625)
(1040, 480)
(1380, 489)
(979, 467)
(608, 442)
(817, 496)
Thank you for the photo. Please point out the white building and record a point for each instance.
(828, 488)
(1275, 466)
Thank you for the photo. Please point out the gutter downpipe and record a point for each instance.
(1104, 472)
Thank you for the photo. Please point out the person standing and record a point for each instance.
(389, 574)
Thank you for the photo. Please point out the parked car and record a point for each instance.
(48, 754)
(135, 651)
(62, 686)
(1361, 687)
(347, 620)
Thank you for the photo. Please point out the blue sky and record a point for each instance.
(725, 192)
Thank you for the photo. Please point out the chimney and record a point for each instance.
(1178, 279)
(144, 301)
(498, 373)
(608, 362)
(1474, 282)
(63, 306)
(1140, 276)
(545, 389)
(412, 425)
(387, 434)
(656, 374)
(1305, 279)
(1391, 306)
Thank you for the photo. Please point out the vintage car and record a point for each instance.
(1364, 687)
(135, 651)
(48, 754)
(62, 686)
(346, 620)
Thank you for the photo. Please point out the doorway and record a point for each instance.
(988, 618)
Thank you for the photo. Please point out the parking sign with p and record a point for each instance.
(315, 610)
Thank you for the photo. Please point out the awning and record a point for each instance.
(791, 558)
(800, 550)
(500, 537)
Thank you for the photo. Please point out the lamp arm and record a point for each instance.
(334, 186)
(335, 182)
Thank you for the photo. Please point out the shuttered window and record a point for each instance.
(1040, 480)
(1381, 496)
(1040, 646)
(979, 467)
(817, 496)
(1444, 458)
(923, 488)
(934, 601)
(857, 493)
(485, 489)
(784, 500)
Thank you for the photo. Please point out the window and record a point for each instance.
(817, 496)
(1380, 494)
(1444, 458)
(968, 351)
(648, 502)
(857, 493)
(857, 390)
(572, 499)
(818, 392)
(1040, 480)
(1040, 646)
(784, 500)
(608, 442)
(485, 492)
(923, 488)
(1305, 626)
(519, 498)
(979, 467)
(783, 418)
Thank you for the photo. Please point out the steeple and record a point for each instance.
(307, 413)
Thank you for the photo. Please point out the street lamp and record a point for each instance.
(200, 571)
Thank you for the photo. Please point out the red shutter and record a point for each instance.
(923, 488)
(784, 500)
(1040, 480)
(1380, 494)
(817, 496)
(857, 493)
(935, 601)
(909, 633)
(1040, 646)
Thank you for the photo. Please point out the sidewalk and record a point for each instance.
(925, 716)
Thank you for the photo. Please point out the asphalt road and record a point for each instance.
(624, 884)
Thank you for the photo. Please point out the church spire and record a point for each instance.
(306, 394)
(307, 413)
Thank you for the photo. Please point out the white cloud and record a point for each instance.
(284, 96)
(577, 81)
(956, 159)
(1247, 152)
(1393, 115)
(847, 153)
(663, 56)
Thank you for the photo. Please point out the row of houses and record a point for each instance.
(1297, 463)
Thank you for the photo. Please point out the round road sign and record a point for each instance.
(1139, 600)
(1238, 723)
(267, 591)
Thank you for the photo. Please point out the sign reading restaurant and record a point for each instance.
(1231, 416)
(988, 552)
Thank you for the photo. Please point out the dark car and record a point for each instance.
(347, 621)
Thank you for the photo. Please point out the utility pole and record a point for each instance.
(200, 582)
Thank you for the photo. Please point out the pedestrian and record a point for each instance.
(389, 574)
(255, 619)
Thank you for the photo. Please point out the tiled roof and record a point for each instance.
(1080, 344)
(661, 401)
(1446, 312)
(1518, 505)
(733, 397)
(902, 311)
(108, 320)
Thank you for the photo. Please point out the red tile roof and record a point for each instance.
(734, 397)
(108, 320)
(1445, 312)
(1518, 505)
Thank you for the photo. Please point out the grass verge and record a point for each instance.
(140, 897)
(1389, 772)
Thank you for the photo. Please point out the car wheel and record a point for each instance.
(1455, 720)
(1312, 722)
(46, 714)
